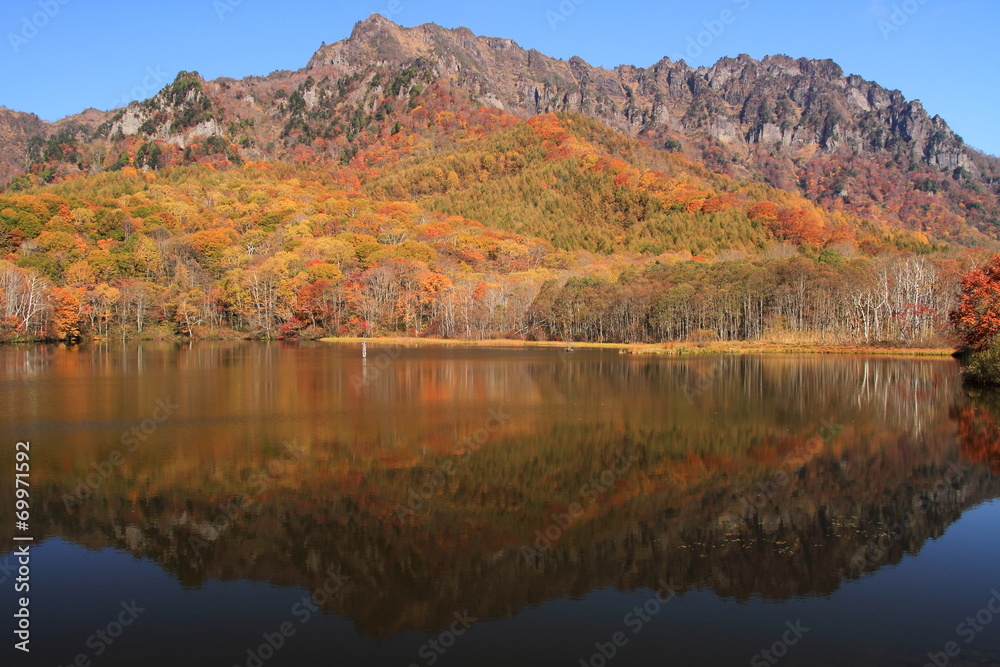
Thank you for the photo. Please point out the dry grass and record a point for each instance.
(671, 348)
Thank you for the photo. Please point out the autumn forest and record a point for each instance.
(391, 202)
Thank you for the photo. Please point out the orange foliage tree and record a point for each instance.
(798, 225)
(65, 321)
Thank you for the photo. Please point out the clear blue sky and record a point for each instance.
(95, 53)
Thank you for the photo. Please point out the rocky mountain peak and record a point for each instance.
(778, 101)
(375, 40)
(375, 23)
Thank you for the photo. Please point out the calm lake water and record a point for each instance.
(464, 506)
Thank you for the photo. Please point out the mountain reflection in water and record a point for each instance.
(494, 480)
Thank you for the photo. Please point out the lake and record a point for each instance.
(267, 504)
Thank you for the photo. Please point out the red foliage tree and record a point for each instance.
(764, 210)
(977, 318)
(980, 435)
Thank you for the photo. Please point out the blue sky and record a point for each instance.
(58, 57)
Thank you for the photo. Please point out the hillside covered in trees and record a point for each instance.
(263, 250)
(413, 197)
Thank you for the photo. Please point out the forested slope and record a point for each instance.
(269, 250)
(404, 182)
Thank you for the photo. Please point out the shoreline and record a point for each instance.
(670, 348)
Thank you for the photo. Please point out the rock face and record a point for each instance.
(743, 103)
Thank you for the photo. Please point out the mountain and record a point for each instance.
(799, 125)
(426, 181)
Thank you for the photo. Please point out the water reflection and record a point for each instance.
(491, 480)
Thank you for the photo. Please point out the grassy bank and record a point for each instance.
(671, 348)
